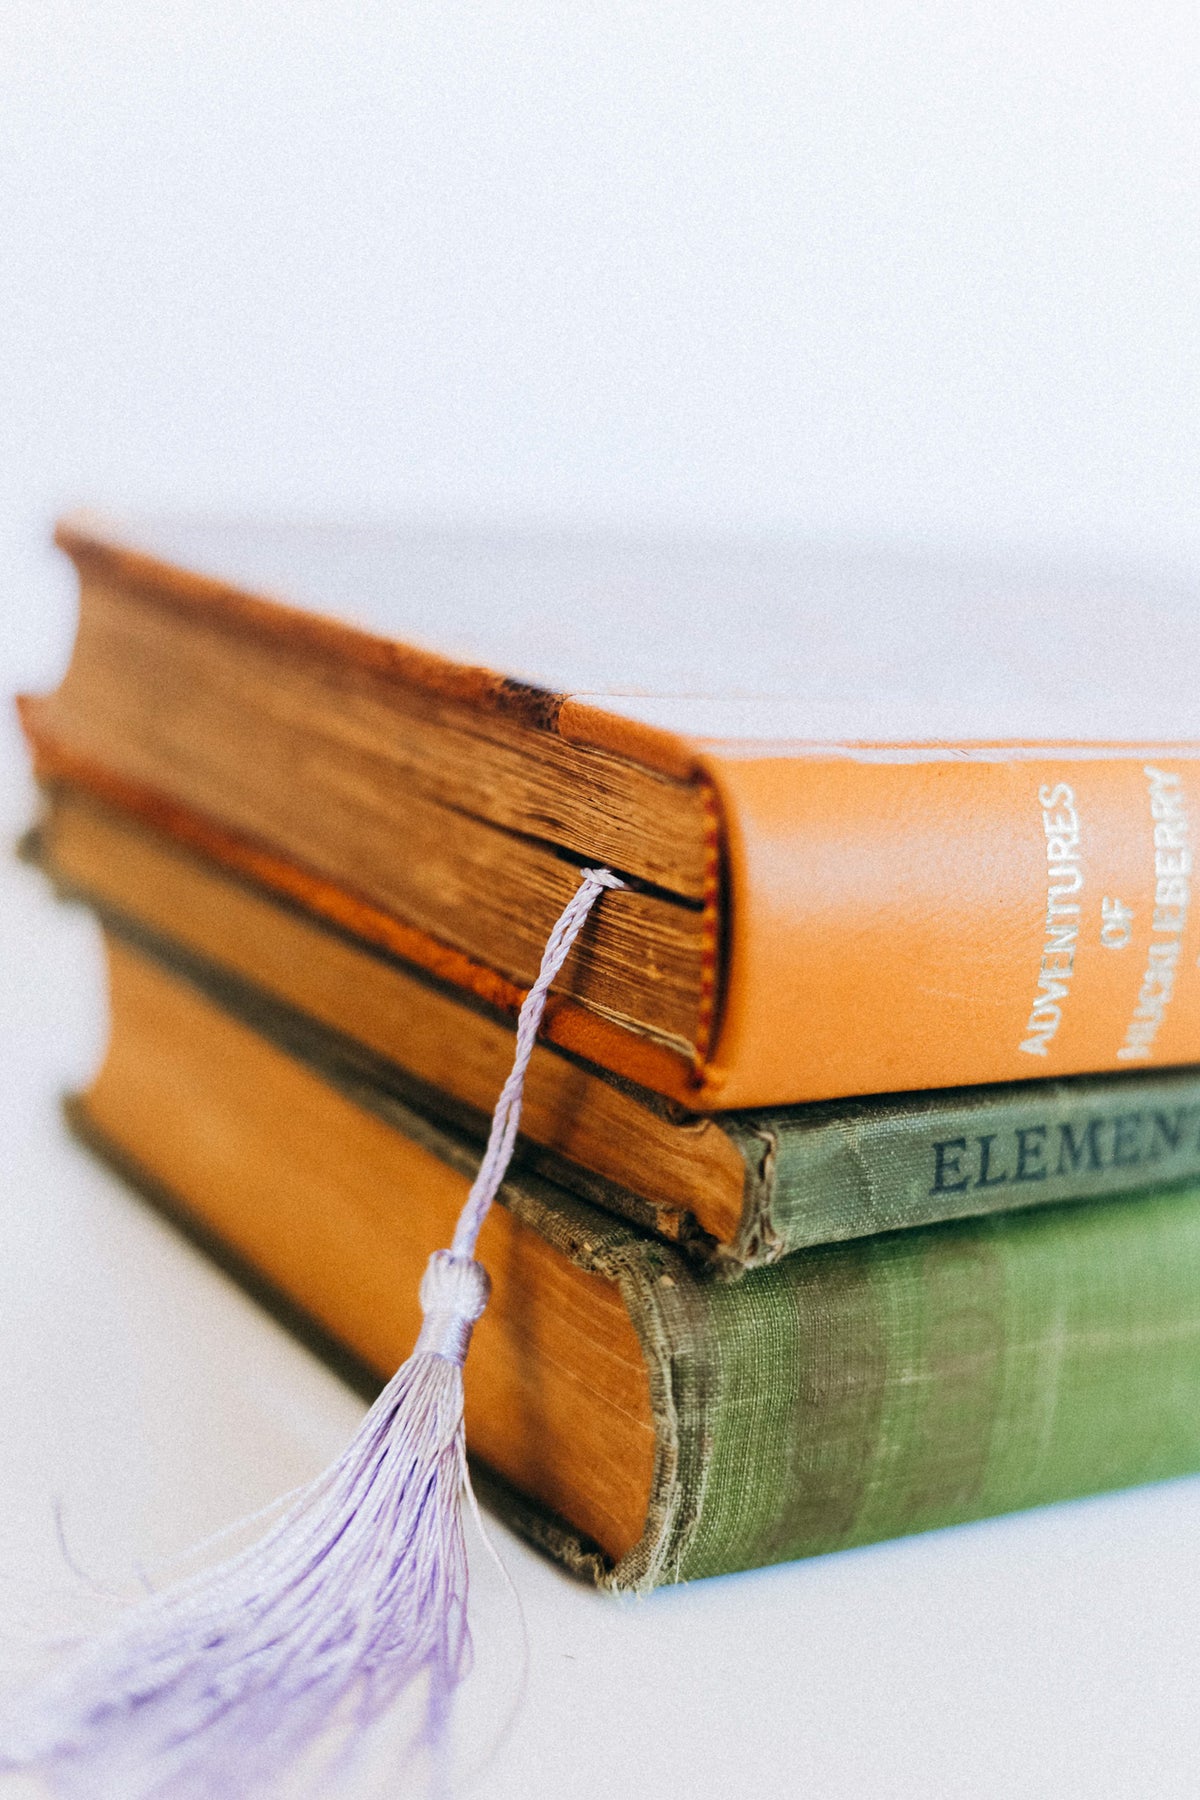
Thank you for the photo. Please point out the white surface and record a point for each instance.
(913, 270)
(909, 268)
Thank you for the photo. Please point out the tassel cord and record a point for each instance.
(506, 1119)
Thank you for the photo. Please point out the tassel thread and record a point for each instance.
(223, 1683)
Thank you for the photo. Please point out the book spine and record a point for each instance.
(941, 918)
(827, 1174)
(898, 1384)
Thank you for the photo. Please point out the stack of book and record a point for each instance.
(859, 1184)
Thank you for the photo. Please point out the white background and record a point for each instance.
(924, 274)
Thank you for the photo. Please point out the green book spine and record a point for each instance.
(898, 1384)
(823, 1174)
(925, 1378)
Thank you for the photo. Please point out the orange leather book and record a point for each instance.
(884, 827)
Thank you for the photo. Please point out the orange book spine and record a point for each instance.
(890, 920)
(907, 919)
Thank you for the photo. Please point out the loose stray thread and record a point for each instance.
(221, 1684)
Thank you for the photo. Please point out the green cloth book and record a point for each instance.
(741, 1189)
(647, 1421)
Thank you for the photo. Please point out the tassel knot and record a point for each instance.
(454, 1291)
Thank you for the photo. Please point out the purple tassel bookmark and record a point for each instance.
(222, 1684)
